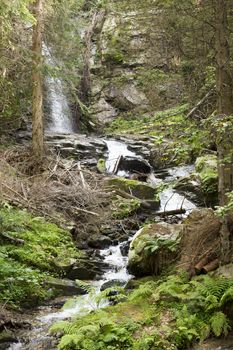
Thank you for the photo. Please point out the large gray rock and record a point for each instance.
(154, 248)
(64, 286)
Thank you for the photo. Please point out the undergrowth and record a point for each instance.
(170, 313)
(44, 249)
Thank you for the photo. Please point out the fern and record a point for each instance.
(219, 324)
(227, 296)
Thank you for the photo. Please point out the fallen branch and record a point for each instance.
(12, 239)
(117, 164)
(82, 176)
(200, 103)
(87, 211)
(171, 212)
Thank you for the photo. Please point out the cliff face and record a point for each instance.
(132, 69)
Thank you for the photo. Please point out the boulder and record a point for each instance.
(207, 173)
(64, 286)
(134, 165)
(99, 242)
(87, 269)
(112, 284)
(154, 248)
(141, 190)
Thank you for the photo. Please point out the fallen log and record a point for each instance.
(198, 267)
(171, 212)
(117, 165)
(213, 265)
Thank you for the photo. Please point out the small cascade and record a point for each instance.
(60, 116)
(38, 337)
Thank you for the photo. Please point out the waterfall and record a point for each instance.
(60, 116)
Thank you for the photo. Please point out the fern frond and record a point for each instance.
(219, 324)
(227, 296)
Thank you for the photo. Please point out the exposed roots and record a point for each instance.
(201, 239)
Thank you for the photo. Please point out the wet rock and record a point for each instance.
(99, 242)
(88, 269)
(64, 286)
(190, 187)
(138, 189)
(153, 249)
(124, 247)
(112, 284)
(135, 165)
(81, 273)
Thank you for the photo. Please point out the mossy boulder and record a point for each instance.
(207, 170)
(141, 190)
(154, 248)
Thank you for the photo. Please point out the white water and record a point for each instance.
(82, 304)
(115, 150)
(60, 116)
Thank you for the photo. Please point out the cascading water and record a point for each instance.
(60, 117)
(38, 337)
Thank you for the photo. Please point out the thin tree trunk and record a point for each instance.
(37, 93)
(225, 108)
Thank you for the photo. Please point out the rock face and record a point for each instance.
(132, 68)
(153, 248)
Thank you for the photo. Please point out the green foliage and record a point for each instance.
(168, 313)
(179, 138)
(153, 245)
(23, 268)
(224, 210)
(122, 208)
(219, 324)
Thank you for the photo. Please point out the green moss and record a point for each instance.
(122, 208)
(23, 267)
(206, 168)
(177, 139)
(101, 165)
(138, 189)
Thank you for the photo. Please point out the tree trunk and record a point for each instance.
(225, 108)
(37, 94)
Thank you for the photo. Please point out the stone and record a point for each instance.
(135, 165)
(87, 269)
(64, 287)
(163, 239)
(139, 189)
(124, 247)
(99, 242)
(112, 284)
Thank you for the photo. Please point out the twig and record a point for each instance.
(87, 211)
(82, 176)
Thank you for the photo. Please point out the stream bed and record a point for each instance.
(38, 337)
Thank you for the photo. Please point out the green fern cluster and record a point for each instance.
(167, 313)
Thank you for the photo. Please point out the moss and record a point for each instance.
(138, 189)
(177, 140)
(101, 165)
(47, 249)
(206, 167)
(122, 208)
